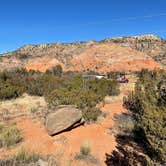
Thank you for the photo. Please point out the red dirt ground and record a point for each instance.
(68, 143)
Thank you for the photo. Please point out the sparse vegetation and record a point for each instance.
(85, 154)
(34, 110)
(10, 136)
(24, 156)
(124, 124)
(1, 127)
(69, 89)
(91, 114)
(85, 149)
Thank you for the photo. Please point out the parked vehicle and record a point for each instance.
(122, 79)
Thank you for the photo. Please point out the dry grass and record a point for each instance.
(21, 104)
(85, 154)
(112, 99)
(127, 87)
(10, 136)
(124, 89)
(24, 156)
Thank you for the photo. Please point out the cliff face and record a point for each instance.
(123, 53)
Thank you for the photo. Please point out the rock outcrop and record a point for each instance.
(122, 53)
(152, 45)
(62, 119)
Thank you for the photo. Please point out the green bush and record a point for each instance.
(12, 83)
(84, 93)
(10, 136)
(91, 114)
(149, 113)
(8, 91)
(43, 84)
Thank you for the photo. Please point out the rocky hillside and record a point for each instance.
(150, 44)
(123, 53)
(105, 57)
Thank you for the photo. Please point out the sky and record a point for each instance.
(48, 21)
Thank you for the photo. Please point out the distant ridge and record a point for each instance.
(120, 53)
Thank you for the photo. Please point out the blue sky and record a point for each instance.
(47, 21)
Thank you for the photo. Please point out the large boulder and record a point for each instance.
(62, 119)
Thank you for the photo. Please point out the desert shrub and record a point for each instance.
(124, 156)
(57, 70)
(12, 83)
(8, 91)
(18, 81)
(85, 155)
(1, 127)
(84, 93)
(85, 149)
(64, 96)
(43, 84)
(85, 100)
(150, 126)
(103, 87)
(124, 124)
(10, 136)
(162, 93)
(34, 110)
(91, 114)
(24, 156)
